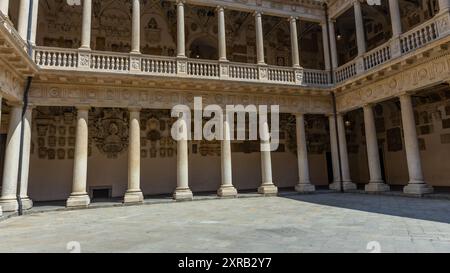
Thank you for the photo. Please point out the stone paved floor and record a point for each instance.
(330, 222)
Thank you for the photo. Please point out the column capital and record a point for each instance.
(292, 18)
(181, 2)
(14, 103)
(220, 8)
(134, 109)
(257, 13)
(369, 105)
(83, 107)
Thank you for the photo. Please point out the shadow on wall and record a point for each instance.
(415, 208)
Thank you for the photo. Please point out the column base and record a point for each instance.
(183, 195)
(377, 186)
(305, 188)
(9, 204)
(78, 201)
(418, 189)
(27, 203)
(268, 190)
(348, 186)
(227, 191)
(133, 197)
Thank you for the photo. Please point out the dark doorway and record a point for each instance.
(330, 168)
(2, 156)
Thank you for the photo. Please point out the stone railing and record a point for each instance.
(314, 77)
(345, 72)
(139, 64)
(377, 56)
(419, 36)
(8, 27)
(436, 28)
(246, 72)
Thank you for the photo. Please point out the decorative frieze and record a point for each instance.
(60, 95)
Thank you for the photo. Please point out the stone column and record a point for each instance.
(304, 184)
(376, 183)
(1, 211)
(34, 21)
(334, 56)
(259, 38)
(294, 42)
(136, 28)
(360, 33)
(227, 189)
(334, 153)
(8, 199)
(444, 5)
(181, 42)
(348, 185)
(182, 191)
(22, 24)
(86, 25)
(267, 186)
(346, 179)
(417, 184)
(326, 50)
(222, 34)
(396, 20)
(4, 7)
(79, 196)
(26, 201)
(134, 193)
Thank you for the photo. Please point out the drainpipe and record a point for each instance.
(333, 97)
(24, 109)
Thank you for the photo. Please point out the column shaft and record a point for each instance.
(4, 7)
(334, 150)
(304, 184)
(259, 38)
(417, 183)
(22, 24)
(326, 50)
(34, 21)
(376, 182)
(267, 186)
(343, 148)
(227, 189)
(136, 28)
(134, 193)
(396, 20)
(183, 192)
(334, 56)
(181, 43)
(86, 24)
(79, 196)
(26, 201)
(294, 43)
(8, 199)
(222, 34)
(359, 23)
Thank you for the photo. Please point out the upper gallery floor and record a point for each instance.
(309, 43)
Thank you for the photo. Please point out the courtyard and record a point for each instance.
(323, 222)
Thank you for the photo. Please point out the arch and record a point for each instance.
(203, 46)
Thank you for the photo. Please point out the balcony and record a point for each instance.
(60, 59)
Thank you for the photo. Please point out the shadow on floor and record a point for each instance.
(415, 208)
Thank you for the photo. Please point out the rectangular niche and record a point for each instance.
(394, 140)
(445, 139)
